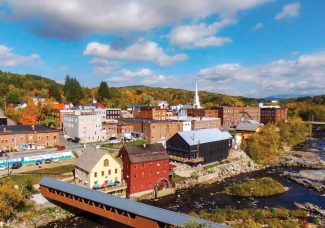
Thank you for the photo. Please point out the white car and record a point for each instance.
(3, 168)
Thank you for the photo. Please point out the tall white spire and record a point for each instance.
(196, 103)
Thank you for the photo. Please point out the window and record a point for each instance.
(135, 175)
(95, 174)
(135, 166)
(106, 162)
(142, 165)
(103, 173)
(115, 170)
(109, 172)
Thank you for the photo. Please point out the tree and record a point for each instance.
(14, 96)
(28, 115)
(55, 92)
(51, 121)
(11, 200)
(103, 92)
(294, 131)
(72, 90)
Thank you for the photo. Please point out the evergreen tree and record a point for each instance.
(72, 90)
(55, 93)
(103, 92)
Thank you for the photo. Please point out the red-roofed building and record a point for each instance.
(99, 105)
(145, 168)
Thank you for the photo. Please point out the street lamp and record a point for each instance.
(7, 155)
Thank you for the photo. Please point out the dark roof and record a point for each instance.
(25, 128)
(141, 209)
(151, 152)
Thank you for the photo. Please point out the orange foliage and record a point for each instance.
(28, 115)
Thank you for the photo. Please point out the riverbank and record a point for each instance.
(37, 215)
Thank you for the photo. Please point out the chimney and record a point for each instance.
(144, 145)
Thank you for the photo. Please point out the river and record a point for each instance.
(210, 197)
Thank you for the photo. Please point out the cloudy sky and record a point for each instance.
(252, 48)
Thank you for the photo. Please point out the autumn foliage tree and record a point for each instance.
(29, 114)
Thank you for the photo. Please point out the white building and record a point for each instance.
(101, 112)
(88, 128)
(162, 104)
(196, 103)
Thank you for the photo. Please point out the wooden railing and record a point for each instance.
(186, 160)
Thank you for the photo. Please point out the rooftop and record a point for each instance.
(204, 136)
(149, 152)
(25, 128)
(249, 125)
(90, 157)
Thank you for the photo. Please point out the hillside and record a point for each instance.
(23, 87)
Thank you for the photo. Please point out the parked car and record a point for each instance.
(16, 165)
(3, 167)
(48, 161)
(75, 140)
(38, 162)
(114, 140)
(69, 139)
(60, 148)
(55, 160)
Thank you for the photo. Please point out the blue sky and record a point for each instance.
(252, 48)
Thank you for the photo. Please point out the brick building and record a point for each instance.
(113, 113)
(145, 168)
(23, 137)
(154, 130)
(111, 129)
(153, 113)
(205, 123)
(202, 112)
(273, 115)
(231, 116)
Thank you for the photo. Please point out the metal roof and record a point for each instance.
(249, 125)
(144, 210)
(151, 152)
(204, 136)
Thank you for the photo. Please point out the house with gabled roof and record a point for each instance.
(97, 168)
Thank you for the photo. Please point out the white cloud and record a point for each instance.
(78, 18)
(142, 50)
(10, 59)
(102, 70)
(304, 75)
(143, 72)
(290, 10)
(201, 35)
(143, 76)
(258, 26)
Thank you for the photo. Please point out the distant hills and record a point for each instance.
(284, 96)
(16, 87)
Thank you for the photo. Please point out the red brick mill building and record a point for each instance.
(145, 168)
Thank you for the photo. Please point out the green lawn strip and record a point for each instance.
(259, 187)
(54, 170)
(273, 217)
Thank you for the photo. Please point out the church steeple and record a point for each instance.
(196, 103)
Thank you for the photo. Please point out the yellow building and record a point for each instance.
(97, 168)
(248, 128)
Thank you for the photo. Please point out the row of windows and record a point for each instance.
(13, 139)
(150, 173)
(150, 164)
(103, 173)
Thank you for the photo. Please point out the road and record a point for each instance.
(32, 167)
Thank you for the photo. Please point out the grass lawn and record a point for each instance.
(53, 170)
(259, 187)
(255, 218)
(137, 142)
(35, 176)
(177, 178)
